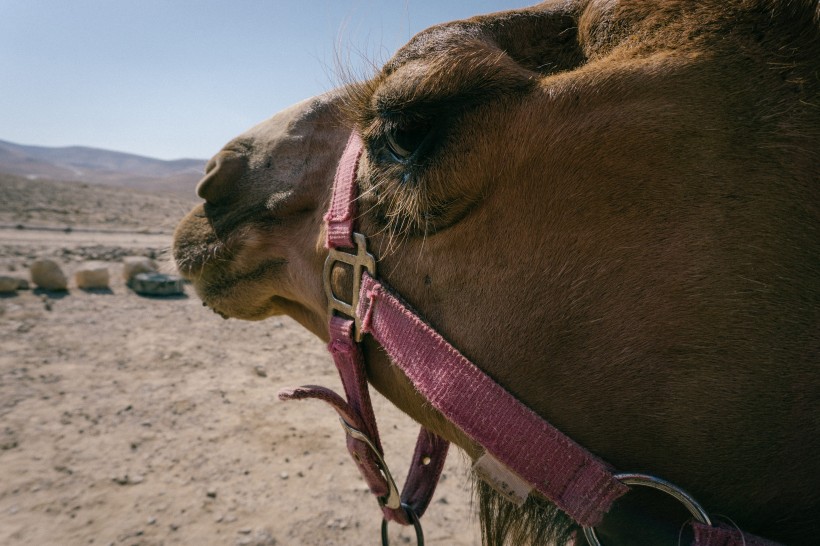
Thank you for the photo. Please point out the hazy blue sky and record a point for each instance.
(173, 79)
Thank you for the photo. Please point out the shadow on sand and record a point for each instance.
(168, 297)
(100, 291)
(51, 294)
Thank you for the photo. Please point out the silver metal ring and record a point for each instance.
(670, 489)
(416, 525)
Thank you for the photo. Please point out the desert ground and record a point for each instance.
(148, 421)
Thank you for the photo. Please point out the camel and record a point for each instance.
(611, 208)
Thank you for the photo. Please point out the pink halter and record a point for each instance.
(522, 451)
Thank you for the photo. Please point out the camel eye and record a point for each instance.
(403, 141)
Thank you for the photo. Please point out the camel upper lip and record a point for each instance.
(192, 259)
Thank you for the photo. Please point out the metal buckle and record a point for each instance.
(661, 485)
(360, 260)
(393, 498)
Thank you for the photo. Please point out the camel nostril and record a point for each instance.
(222, 177)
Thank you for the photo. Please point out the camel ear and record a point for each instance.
(541, 39)
(222, 174)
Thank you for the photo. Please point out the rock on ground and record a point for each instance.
(8, 284)
(92, 275)
(48, 275)
(156, 284)
(133, 265)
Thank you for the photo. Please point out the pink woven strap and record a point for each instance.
(724, 535)
(357, 411)
(350, 364)
(564, 472)
(342, 211)
(425, 470)
(361, 453)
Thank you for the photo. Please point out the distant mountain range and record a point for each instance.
(96, 166)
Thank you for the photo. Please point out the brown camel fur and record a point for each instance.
(612, 208)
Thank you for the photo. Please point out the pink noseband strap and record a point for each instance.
(575, 480)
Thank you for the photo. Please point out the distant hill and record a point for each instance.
(96, 166)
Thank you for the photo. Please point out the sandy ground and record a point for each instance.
(146, 421)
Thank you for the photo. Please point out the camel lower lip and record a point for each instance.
(273, 305)
(215, 310)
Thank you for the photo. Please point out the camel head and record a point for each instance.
(611, 208)
(253, 248)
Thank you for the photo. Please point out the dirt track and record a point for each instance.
(59, 237)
